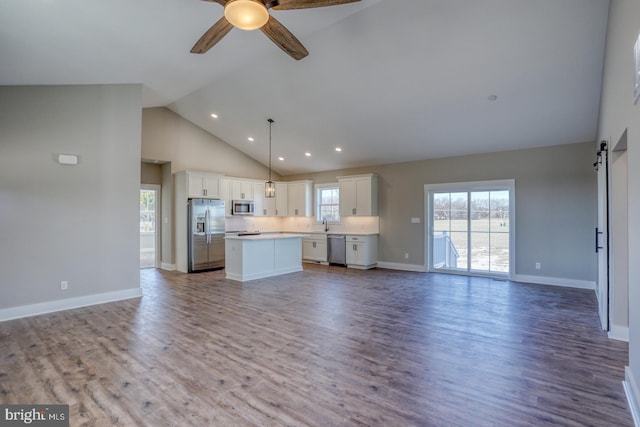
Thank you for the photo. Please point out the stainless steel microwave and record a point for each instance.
(242, 207)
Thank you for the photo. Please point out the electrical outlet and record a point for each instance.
(406, 255)
(538, 266)
(64, 285)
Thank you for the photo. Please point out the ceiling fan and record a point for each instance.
(253, 15)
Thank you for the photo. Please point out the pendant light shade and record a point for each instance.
(270, 186)
(270, 189)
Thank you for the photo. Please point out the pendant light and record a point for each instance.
(270, 186)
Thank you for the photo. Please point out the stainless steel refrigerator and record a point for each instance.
(206, 234)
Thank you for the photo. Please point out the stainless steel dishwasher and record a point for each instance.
(337, 249)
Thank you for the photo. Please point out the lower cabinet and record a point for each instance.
(314, 249)
(362, 251)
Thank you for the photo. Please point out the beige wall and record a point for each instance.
(150, 173)
(168, 137)
(166, 213)
(555, 194)
(555, 205)
(74, 223)
(617, 114)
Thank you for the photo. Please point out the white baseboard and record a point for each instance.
(555, 281)
(620, 333)
(633, 395)
(245, 277)
(67, 304)
(399, 266)
(167, 266)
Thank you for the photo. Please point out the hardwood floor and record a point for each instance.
(324, 347)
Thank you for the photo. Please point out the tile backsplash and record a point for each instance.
(364, 224)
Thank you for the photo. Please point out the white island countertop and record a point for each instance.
(263, 236)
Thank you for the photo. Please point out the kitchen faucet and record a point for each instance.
(326, 224)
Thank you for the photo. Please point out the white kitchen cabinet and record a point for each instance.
(299, 194)
(270, 206)
(241, 190)
(314, 248)
(282, 200)
(362, 251)
(358, 195)
(277, 206)
(259, 206)
(225, 194)
(202, 185)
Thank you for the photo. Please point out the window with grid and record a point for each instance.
(328, 203)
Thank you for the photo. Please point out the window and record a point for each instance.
(328, 202)
(149, 205)
(471, 227)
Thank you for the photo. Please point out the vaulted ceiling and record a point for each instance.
(385, 80)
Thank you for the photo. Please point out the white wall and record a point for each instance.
(617, 114)
(74, 223)
(619, 246)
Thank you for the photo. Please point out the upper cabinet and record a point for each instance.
(202, 185)
(260, 208)
(292, 198)
(299, 194)
(358, 195)
(241, 190)
(277, 206)
(225, 194)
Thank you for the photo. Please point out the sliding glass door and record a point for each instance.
(470, 227)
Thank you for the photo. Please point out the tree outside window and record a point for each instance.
(328, 204)
(147, 210)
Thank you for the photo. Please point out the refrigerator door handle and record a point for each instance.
(206, 226)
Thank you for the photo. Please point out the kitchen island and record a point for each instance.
(250, 257)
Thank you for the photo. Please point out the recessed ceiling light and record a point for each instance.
(214, 115)
(338, 149)
(307, 154)
(250, 139)
(281, 158)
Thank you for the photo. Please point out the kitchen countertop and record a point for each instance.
(306, 233)
(338, 232)
(265, 236)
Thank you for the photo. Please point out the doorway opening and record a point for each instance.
(471, 228)
(149, 202)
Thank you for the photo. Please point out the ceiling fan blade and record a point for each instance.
(212, 36)
(220, 2)
(306, 4)
(284, 39)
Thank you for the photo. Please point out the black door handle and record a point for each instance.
(597, 240)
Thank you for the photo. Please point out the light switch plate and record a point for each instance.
(68, 159)
(415, 220)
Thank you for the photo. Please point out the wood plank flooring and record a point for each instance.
(323, 347)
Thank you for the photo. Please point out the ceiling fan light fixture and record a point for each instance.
(246, 14)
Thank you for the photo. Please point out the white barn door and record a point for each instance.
(602, 234)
